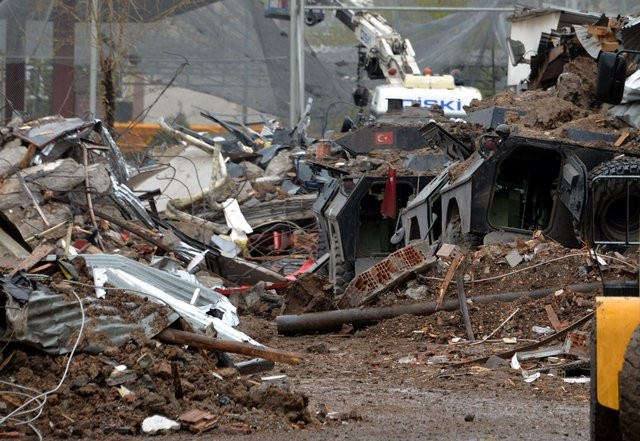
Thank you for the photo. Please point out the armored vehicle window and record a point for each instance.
(523, 190)
(375, 231)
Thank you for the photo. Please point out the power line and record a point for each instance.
(411, 8)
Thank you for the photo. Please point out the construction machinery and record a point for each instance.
(615, 340)
(384, 54)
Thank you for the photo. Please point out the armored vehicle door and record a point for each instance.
(573, 186)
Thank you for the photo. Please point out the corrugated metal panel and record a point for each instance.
(568, 16)
(587, 41)
(177, 293)
(630, 35)
(51, 322)
(176, 287)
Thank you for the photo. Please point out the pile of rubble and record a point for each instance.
(124, 280)
(93, 275)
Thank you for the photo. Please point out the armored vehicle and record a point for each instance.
(517, 184)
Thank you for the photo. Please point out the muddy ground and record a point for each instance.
(379, 383)
(398, 379)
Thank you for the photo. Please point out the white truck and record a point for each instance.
(386, 55)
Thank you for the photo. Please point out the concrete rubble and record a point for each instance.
(152, 265)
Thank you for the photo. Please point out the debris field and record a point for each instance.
(195, 290)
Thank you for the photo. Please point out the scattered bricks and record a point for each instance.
(577, 343)
(387, 273)
(446, 251)
(199, 420)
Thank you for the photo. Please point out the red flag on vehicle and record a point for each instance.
(389, 202)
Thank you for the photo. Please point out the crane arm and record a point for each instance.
(387, 54)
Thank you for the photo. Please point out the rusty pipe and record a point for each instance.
(331, 320)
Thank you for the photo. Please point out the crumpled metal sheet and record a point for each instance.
(129, 202)
(17, 287)
(629, 113)
(632, 88)
(180, 289)
(50, 322)
(588, 42)
(629, 110)
(44, 132)
(116, 158)
(192, 301)
(630, 34)
(47, 130)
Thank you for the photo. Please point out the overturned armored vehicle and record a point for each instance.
(513, 185)
(357, 210)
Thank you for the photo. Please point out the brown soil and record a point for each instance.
(355, 379)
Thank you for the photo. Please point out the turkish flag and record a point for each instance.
(383, 138)
(389, 201)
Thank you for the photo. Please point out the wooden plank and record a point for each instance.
(178, 337)
(508, 354)
(621, 139)
(457, 258)
(553, 318)
(39, 253)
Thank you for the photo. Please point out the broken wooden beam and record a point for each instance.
(146, 234)
(175, 336)
(458, 257)
(529, 347)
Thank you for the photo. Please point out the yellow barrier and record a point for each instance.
(140, 135)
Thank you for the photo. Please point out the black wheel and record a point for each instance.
(345, 272)
(605, 425)
(605, 217)
(630, 390)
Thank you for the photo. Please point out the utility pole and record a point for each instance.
(15, 71)
(296, 66)
(93, 58)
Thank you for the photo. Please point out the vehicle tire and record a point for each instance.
(630, 390)
(605, 215)
(605, 424)
(345, 272)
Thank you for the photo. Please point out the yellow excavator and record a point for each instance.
(615, 340)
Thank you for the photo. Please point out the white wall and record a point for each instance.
(528, 32)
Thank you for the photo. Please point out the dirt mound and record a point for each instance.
(536, 109)
(550, 112)
(99, 398)
(577, 83)
(309, 293)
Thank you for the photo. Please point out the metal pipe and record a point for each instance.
(462, 297)
(93, 58)
(331, 320)
(300, 49)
